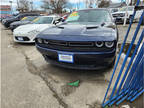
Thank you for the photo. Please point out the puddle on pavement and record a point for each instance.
(126, 47)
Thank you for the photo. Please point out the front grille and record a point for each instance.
(59, 43)
(81, 44)
(73, 46)
(118, 15)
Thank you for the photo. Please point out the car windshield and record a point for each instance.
(43, 20)
(24, 18)
(30, 18)
(89, 16)
(124, 9)
(114, 10)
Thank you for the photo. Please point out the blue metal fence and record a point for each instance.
(131, 85)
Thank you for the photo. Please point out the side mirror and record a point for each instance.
(62, 20)
(56, 22)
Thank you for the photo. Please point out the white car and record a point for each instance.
(27, 33)
(120, 15)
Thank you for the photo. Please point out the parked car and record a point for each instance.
(27, 33)
(87, 40)
(120, 15)
(113, 10)
(8, 16)
(25, 20)
(8, 21)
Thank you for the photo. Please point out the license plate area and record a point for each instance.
(66, 58)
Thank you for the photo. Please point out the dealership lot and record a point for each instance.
(29, 82)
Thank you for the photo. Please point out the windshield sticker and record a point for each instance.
(24, 18)
(74, 14)
(35, 20)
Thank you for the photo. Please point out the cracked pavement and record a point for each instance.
(30, 82)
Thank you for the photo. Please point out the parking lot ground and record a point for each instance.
(30, 82)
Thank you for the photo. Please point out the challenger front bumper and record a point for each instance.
(82, 60)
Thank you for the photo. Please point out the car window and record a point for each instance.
(30, 18)
(24, 18)
(130, 8)
(114, 10)
(89, 16)
(43, 20)
(123, 9)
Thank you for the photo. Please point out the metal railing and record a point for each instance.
(131, 85)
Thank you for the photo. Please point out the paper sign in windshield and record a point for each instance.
(24, 18)
(74, 16)
(35, 20)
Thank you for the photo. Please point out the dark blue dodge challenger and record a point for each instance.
(86, 40)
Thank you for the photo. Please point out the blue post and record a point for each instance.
(137, 80)
(103, 103)
(123, 65)
(119, 95)
(137, 95)
(137, 60)
(132, 58)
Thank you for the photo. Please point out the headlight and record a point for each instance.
(109, 44)
(34, 32)
(99, 44)
(122, 14)
(46, 42)
(39, 40)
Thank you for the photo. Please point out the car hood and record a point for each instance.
(20, 22)
(78, 31)
(31, 27)
(119, 12)
(10, 19)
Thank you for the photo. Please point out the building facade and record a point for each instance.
(5, 10)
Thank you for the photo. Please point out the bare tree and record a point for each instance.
(69, 6)
(104, 4)
(24, 4)
(56, 6)
(89, 3)
(135, 1)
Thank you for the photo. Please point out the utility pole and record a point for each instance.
(97, 3)
(126, 13)
(86, 3)
(17, 3)
(31, 3)
(11, 5)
